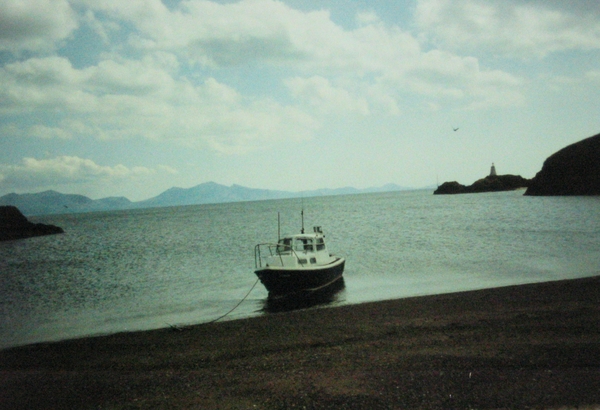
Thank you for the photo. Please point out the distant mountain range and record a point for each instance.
(52, 202)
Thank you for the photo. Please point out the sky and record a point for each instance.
(129, 98)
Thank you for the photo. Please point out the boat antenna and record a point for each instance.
(278, 227)
(302, 214)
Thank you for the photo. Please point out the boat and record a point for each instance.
(328, 295)
(297, 264)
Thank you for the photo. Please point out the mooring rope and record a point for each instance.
(236, 306)
(180, 328)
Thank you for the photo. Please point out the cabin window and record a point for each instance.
(302, 261)
(313, 260)
(320, 244)
(284, 246)
(304, 245)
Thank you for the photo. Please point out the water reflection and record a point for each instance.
(330, 294)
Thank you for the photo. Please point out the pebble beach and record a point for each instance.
(528, 346)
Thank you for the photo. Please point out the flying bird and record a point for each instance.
(454, 129)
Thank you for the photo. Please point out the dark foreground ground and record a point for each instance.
(531, 346)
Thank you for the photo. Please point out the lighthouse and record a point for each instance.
(493, 170)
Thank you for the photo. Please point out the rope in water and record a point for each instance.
(236, 306)
(180, 328)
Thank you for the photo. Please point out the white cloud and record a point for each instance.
(32, 172)
(212, 33)
(513, 28)
(102, 29)
(231, 130)
(42, 83)
(319, 92)
(372, 68)
(168, 170)
(579, 84)
(34, 25)
(144, 98)
(594, 76)
(271, 33)
(45, 132)
(133, 77)
(367, 17)
(461, 79)
(265, 31)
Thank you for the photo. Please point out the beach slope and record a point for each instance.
(528, 346)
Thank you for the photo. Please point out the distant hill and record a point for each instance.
(52, 202)
(210, 192)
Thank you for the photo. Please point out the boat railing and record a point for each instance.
(275, 249)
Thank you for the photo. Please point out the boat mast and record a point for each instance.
(302, 214)
(278, 227)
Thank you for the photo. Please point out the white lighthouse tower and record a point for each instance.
(493, 170)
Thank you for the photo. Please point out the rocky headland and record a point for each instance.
(491, 183)
(574, 170)
(14, 225)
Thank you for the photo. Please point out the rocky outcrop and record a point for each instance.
(491, 183)
(452, 187)
(574, 170)
(14, 225)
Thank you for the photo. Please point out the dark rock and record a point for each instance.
(574, 170)
(499, 183)
(14, 225)
(450, 188)
(491, 183)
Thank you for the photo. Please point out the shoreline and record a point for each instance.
(523, 346)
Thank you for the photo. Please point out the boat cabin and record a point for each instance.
(300, 243)
(301, 250)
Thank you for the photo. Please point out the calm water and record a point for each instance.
(144, 269)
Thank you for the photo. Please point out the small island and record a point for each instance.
(491, 183)
(14, 225)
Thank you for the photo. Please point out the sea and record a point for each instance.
(155, 268)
